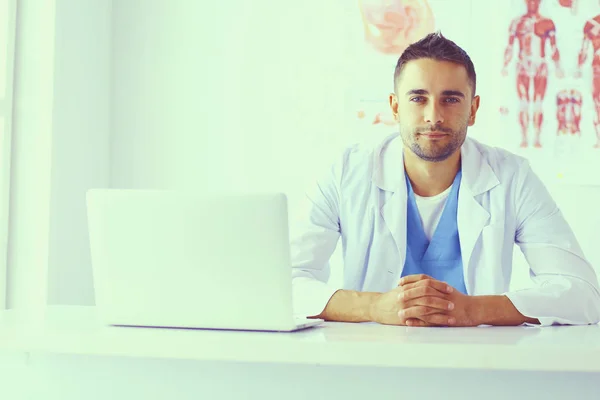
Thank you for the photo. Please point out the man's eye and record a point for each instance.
(417, 99)
(452, 100)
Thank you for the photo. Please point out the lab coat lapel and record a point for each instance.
(394, 215)
(478, 178)
(388, 175)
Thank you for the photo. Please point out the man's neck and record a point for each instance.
(430, 178)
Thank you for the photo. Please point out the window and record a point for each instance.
(7, 46)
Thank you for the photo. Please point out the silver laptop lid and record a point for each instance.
(186, 259)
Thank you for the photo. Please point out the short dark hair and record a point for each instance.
(437, 47)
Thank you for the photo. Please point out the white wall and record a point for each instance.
(80, 141)
(171, 102)
(214, 95)
(60, 147)
(8, 14)
(31, 155)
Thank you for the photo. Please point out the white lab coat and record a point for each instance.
(362, 198)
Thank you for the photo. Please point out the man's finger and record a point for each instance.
(417, 322)
(410, 293)
(438, 303)
(439, 319)
(429, 282)
(417, 312)
(413, 278)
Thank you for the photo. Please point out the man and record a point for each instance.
(591, 37)
(428, 219)
(533, 32)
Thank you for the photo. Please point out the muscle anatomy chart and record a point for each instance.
(534, 35)
(591, 41)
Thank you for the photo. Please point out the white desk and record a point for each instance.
(71, 356)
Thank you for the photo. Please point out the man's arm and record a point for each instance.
(467, 310)
(349, 306)
(314, 235)
(498, 310)
(565, 284)
(429, 299)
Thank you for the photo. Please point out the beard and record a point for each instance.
(434, 150)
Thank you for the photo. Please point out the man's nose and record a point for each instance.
(433, 114)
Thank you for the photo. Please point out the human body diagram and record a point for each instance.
(591, 41)
(535, 36)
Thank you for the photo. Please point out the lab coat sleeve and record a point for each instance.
(565, 289)
(313, 241)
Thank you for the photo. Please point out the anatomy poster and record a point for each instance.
(548, 87)
(537, 64)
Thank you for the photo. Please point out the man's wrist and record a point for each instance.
(475, 310)
(350, 306)
(496, 310)
(371, 307)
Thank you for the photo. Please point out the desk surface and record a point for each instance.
(76, 330)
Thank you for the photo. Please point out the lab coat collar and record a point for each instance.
(388, 172)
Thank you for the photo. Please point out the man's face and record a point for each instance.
(533, 5)
(433, 105)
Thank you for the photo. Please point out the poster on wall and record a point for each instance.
(548, 87)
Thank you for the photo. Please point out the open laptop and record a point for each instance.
(190, 260)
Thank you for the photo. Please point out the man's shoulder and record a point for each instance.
(361, 154)
(503, 162)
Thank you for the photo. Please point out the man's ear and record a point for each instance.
(474, 108)
(393, 100)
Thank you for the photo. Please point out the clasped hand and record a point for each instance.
(420, 300)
